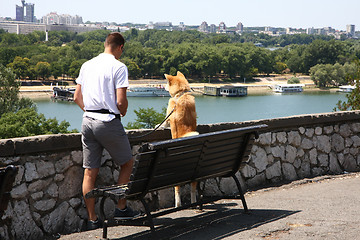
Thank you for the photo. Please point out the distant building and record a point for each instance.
(239, 27)
(204, 27)
(222, 27)
(212, 28)
(310, 31)
(19, 13)
(350, 30)
(163, 26)
(182, 26)
(27, 8)
(66, 19)
(25, 27)
(30, 17)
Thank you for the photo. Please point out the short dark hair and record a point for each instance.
(114, 40)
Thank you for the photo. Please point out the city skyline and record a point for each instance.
(277, 13)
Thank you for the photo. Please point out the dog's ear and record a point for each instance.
(169, 77)
(179, 74)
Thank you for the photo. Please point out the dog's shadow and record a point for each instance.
(215, 222)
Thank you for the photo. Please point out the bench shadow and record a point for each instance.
(215, 222)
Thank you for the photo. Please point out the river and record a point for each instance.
(214, 109)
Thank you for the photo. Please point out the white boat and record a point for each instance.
(346, 88)
(285, 88)
(148, 91)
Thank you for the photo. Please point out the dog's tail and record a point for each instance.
(190, 134)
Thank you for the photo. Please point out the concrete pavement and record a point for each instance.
(326, 207)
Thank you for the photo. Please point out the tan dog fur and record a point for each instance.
(183, 119)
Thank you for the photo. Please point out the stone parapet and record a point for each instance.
(47, 199)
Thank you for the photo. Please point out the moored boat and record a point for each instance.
(148, 91)
(287, 88)
(62, 93)
(346, 88)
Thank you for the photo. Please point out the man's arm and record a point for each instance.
(78, 97)
(121, 100)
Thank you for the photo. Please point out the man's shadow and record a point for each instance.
(215, 222)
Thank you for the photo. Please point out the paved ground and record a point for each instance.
(321, 208)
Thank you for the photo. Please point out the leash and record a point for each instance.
(144, 135)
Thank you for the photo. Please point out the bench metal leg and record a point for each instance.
(103, 217)
(149, 218)
(241, 193)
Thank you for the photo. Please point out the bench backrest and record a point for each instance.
(7, 178)
(175, 162)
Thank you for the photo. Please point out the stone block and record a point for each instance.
(318, 131)
(307, 143)
(281, 137)
(356, 140)
(39, 185)
(309, 132)
(19, 192)
(273, 171)
(30, 172)
(289, 172)
(256, 181)
(334, 164)
(47, 143)
(71, 185)
(279, 152)
(265, 138)
(44, 205)
(45, 168)
(290, 154)
(23, 224)
(260, 159)
(294, 138)
(248, 171)
(6, 147)
(345, 130)
(337, 142)
(63, 164)
(355, 127)
(55, 221)
(323, 143)
(328, 129)
(323, 160)
(53, 190)
(313, 156)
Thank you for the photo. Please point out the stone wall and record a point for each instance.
(47, 200)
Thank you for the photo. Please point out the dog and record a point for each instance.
(182, 120)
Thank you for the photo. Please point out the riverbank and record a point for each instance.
(262, 85)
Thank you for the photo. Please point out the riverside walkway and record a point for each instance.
(326, 207)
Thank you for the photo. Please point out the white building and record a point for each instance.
(350, 29)
(66, 19)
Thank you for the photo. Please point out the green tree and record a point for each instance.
(20, 66)
(293, 80)
(43, 70)
(147, 118)
(18, 116)
(353, 98)
(27, 122)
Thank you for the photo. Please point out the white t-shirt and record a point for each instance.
(99, 78)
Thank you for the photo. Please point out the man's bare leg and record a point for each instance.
(124, 177)
(88, 185)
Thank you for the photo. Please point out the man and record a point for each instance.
(101, 93)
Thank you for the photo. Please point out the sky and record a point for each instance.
(251, 13)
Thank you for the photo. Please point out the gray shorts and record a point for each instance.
(97, 135)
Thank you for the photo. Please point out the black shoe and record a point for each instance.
(92, 225)
(125, 214)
